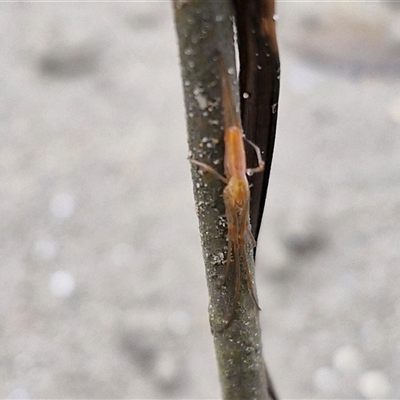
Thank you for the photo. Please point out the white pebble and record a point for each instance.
(122, 254)
(62, 284)
(394, 30)
(325, 381)
(279, 258)
(45, 249)
(347, 359)
(275, 256)
(374, 385)
(301, 79)
(166, 368)
(394, 111)
(179, 322)
(62, 205)
(18, 393)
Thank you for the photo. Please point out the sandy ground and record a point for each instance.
(103, 290)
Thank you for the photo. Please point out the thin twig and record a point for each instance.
(204, 30)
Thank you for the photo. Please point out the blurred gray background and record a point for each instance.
(102, 281)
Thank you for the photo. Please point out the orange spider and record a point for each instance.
(237, 192)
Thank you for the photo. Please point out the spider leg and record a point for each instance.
(209, 169)
(261, 163)
(237, 288)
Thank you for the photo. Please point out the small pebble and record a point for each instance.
(325, 381)
(179, 322)
(45, 249)
(347, 359)
(302, 79)
(370, 330)
(23, 361)
(394, 111)
(279, 258)
(62, 205)
(62, 284)
(166, 368)
(122, 254)
(275, 256)
(300, 236)
(374, 385)
(301, 239)
(18, 393)
(394, 31)
(69, 62)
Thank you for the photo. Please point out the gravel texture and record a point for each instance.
(102, 278)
